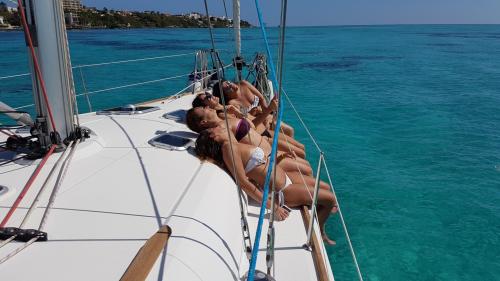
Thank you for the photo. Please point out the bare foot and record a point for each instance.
(327, 240)
(334, 209)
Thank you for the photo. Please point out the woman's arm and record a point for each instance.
(253, 90)
(262, 117)
(238, 171)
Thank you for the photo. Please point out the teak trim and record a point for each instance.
(147, 255)
(317, 253)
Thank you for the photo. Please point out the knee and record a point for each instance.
(307, 170)
(328, 200)
(324, 185)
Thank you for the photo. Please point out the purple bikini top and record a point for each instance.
(242, 129)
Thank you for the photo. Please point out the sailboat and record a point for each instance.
(118, 194)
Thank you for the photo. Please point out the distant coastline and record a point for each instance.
(93, 18)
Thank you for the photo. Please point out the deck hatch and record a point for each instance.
(128, 110)
(176, 115)
(171, 142)
(3, 190)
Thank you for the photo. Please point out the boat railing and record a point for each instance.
(322, 164)
(200, 70)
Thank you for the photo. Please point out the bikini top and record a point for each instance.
(242, 129)
(255, 103)
(257, 158)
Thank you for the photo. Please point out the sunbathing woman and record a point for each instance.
(250, 161)
(259, 121)
(201, 118)
(245, 96)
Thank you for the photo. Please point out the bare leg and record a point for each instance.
(287, 129)
(295, 177)
(284, 146)
(290, 165)
(309, 180)
(297, 195)
(291, 140)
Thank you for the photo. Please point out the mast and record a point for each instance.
(48, 31)
(238, 59)
(236, 27)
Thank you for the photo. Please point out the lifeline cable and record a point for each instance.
(255, 249)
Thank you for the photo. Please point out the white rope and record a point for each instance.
(343, 222)
(37, 198)
(107, 63)
(59, 181)
(16, 251)
(45, 184)
(60, 178)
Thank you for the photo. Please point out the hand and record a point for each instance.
(289, 154)
(273, 105)
(233, 110)
(280, 214)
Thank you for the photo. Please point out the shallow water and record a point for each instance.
(408, 117)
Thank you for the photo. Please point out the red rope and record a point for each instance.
(27, 186)
(35, 63)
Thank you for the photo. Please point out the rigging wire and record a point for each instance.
(245, 229)
(360, 276)
(135, 84)
(228, 26)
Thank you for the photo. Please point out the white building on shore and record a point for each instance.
(1, 21)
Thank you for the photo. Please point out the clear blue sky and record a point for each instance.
(333, 12)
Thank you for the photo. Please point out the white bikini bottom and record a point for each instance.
(281, 195)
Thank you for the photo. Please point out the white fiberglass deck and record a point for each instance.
(118, 191)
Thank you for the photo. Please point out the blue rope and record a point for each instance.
(255, 250)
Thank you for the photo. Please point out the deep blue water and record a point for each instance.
(408, 117)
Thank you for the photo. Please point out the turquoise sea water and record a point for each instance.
(408, 117)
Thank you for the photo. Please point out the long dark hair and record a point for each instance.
(216, 90)
(207, 148)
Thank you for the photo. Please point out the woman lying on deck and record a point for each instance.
(248, 99)
(251, 165)
(201, 118)
(207, 99)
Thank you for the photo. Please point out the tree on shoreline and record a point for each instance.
(11, 18)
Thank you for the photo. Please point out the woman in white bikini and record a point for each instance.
(251, 165)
